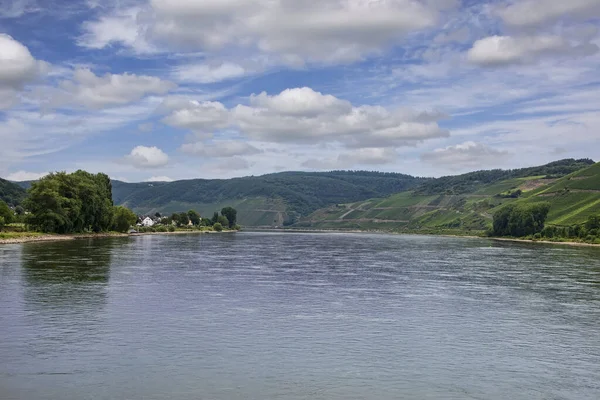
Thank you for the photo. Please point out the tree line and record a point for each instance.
(80, 202)
(528, 220)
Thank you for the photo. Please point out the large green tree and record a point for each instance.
(123, 219)
(520, 220)
(231, 214)
(194, 216)
(6, 213)
(66, 203)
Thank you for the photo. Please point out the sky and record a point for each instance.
(160, 90)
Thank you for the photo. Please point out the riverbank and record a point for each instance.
(28, 237)
(452, 235)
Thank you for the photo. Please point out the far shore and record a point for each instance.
(58, 238)
(305, 230)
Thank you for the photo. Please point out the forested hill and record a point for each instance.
(11, 193)
(467, 203)
(263, 200)
(470, 182)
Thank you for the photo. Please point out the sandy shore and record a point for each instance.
(59, 238)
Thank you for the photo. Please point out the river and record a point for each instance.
(298, 316)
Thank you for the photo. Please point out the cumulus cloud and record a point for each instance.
(466, 155)
(303, 115)
(505, 50)
(92, 91)
(297, 31)
(220, 148)
(17, 65)
(536, 12)
(206, 73)
(147, 157)
(21, 176)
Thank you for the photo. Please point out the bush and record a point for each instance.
(590, 239)
(537, 236)
(1, 223)
(218, 227)
(171, 228)
(161, 228)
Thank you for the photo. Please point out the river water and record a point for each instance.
(298, 316)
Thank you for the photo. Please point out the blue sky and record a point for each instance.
(179, 89)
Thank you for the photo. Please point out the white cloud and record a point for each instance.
(20, 176)
(296, 31)
(120, 27)
(16, 8)
(536, 12)
(147, 157)
(220, 148)
(201, 117)
(504, 50)
(368, 156)
(146, 127)
(304, 116)
(465, 155)
(17, 66)
(159, 179)
(87, 89)
(206, 73)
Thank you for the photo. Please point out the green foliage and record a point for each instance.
(194, 217)
(66, 203)
(223, 221)
(302, 192)
(231, 214)
(171, 228)
(215, 217)
(2, 222)
(123, 219)
(6, 213)
(11, 193)
(218, 227)
(181, 219)
(593, 222)
(470, 182)
(520, 220)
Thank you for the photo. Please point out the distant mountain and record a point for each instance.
(467, 202)
(11, 193)
(267, 200)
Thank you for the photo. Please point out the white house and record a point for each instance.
(147, 222)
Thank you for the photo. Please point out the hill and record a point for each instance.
(268, 200)
(466, 203)
(11, 193)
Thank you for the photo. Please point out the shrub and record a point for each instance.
(161, 229)
(537, 236)
(171, 228)
(218, 227)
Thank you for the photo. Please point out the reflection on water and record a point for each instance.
(299, 316)
(69, 278)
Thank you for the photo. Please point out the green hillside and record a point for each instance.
(466, 203)
(268, 200)
(11, 193)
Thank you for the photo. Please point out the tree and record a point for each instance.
(1, 223)
(65, 203)
(180, 218)
(19, 210)
(520, 220)
(593, 222)
(218, 227)
(157, 215)
(123, 219)
(6, 213)
(231, 214)
(215, 217)
(194, 217)
(223, 221)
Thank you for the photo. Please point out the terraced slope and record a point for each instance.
(573, 198)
